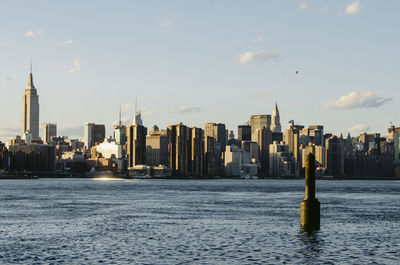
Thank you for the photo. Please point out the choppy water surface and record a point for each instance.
(83, 221)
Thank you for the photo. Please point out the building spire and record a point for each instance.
(276, 123)
(30, 80)
(120, 121)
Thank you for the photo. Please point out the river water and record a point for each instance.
(87, 221)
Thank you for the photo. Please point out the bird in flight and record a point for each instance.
(296, 73)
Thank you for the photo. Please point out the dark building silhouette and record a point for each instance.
(196, 166)
(210, 170)
(32, 157)
(179, 149)
(334, 159)
(136, 145)
(244, 132)
(264, 140)
(218, 132)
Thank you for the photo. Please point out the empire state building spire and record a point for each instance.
(276, 123)
(30, 81)
(30, 109)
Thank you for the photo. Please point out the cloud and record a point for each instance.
(77, 66)
(359, 128)
(33, 34)
(185, 109)
(235, 43)
(354, 8)
(68, 42)
(164, 22)
(257, 57)
(258, 39)
(355, 99)
(303, 6)
(7, 133)
(30, 34)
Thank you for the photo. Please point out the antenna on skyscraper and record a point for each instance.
(31, 66)
(136, 104)
(120, 122)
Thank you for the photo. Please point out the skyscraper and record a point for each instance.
(218, 132)
(136, 145)
(244, 132)
(30, 109)
(259, 122)
(120, 132)
(49, 130)
(276, 123)
(179, 148)
(93, 134)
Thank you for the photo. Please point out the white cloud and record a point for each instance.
(77, 66)
(235, 43)
(165, 22)
(258, 39)
(257, 57)
(30, 34)
(33, 34)
(359, 128)
(65, 43)
(354, 8)
(303, 6)
(185, 109)
(355, 99)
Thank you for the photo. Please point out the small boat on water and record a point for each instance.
(248, 177)
(141, 177)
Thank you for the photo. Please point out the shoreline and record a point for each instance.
(63, 176)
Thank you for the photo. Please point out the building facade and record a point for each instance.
(93, 134)
(259, 122)
(30, 110)
(49, 130)
(136, 145)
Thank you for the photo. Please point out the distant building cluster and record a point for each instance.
(261, 149)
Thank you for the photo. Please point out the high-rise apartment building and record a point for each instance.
(49, 130)
(196, 166)
(136, 145)
(93, 134)
(179, 148)
(334, 158)
(30, 109)
(264, 139)
(157, 148)
(218, 132)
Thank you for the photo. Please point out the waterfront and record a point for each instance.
(88, 221)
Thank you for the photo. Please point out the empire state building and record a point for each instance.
(30, 109)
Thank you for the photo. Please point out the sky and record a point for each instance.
(202, 61)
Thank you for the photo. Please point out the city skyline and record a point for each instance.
(186, 69)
